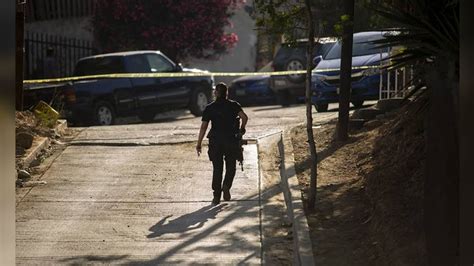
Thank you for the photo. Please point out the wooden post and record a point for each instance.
(466, 131)
(28, 66)
(19, 53)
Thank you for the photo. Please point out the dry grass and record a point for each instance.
(26, 121)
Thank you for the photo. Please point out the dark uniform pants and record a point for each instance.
(220, 151)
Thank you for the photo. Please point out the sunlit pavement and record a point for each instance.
(138, 193)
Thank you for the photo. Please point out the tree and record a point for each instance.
(178, 28)
(346, 70)
(309, 105)
(284, 17)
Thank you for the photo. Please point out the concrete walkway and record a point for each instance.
(138, 205)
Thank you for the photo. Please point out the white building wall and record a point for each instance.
(242, 58)
(78, 28)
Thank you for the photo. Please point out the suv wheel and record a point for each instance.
(199, 101)
(292, 65)
(104, 114)
(323, 107)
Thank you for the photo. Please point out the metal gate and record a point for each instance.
(396, 82)
(66, 53)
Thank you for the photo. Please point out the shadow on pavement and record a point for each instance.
(169, 116)
(230, 243)
(189, 221)
(82, 260)
(350, 108)
(278, 107)
(169, 119)
(134, 120)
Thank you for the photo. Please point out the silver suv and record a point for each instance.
(292, 56)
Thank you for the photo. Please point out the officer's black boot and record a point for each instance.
(217, 198)
(226, 194)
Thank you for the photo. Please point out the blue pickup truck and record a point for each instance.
(101, 101)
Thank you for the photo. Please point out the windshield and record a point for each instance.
(325, 48)
(358, 49)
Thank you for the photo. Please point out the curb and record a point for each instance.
(303, 245)
(33, 152)
(40, 144)
(267, 187)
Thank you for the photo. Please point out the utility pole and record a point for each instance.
(346, 70)
(19, 53)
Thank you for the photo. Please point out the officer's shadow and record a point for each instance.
(186, 222)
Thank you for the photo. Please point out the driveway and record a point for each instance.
(138, 194)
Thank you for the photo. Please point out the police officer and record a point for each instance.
(223, 140)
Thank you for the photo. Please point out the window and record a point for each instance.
(324, 49)
(99, 65)
(159, 64)
(137, 64)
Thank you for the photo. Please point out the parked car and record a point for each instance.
(101, 101)
(292, 56)
(253, 90)
(366, 57)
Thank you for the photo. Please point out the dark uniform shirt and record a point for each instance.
(223, 113)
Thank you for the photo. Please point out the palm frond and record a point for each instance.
(431, 31)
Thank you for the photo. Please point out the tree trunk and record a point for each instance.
(346, 71)
(441, 211)
(309, 118)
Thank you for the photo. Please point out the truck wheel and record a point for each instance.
(295, 64)
(147, 116)
(358, 104)
(322, 107)
(199, 101)
(104, 114)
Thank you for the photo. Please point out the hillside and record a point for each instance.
(370, 191)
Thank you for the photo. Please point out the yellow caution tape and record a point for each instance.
(184, 74)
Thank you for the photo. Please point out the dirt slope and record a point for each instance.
(369, 204)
